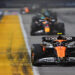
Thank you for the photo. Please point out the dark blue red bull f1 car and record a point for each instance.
(46, 25)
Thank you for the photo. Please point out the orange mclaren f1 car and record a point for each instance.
(58, 49)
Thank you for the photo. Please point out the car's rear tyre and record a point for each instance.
(36, 54)
(61, 28)
(33, 28)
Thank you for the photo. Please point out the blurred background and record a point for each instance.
(36, 3)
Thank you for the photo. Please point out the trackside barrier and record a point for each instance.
(36, 3)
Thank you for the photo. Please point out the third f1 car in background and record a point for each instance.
(58, 49)
(46, 24)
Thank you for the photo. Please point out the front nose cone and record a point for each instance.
(60, 50)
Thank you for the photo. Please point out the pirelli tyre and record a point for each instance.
(36, 54)
(34, 28)
(60, 28)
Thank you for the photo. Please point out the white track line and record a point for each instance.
(35, 69)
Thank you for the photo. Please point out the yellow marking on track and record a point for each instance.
(13, 52)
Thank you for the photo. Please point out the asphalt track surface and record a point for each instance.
(64, 15)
